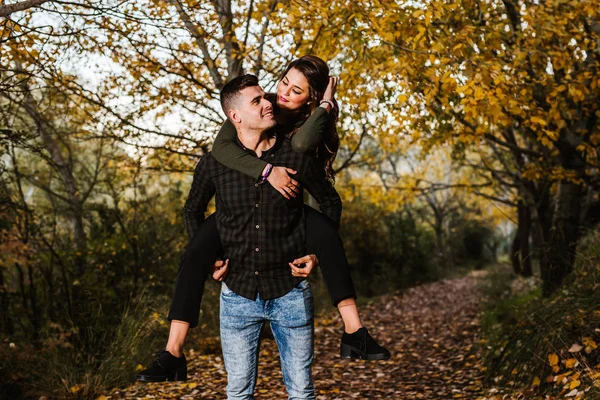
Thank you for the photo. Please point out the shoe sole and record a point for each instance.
(178, 376)
(348, 352)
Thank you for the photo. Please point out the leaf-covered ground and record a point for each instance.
(431, 330)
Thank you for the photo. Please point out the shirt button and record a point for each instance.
(255, 272)
(256, 205)
(256, 185)
(256, 249)
(257, 226)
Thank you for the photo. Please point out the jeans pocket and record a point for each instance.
(303, 286)
(225, 291)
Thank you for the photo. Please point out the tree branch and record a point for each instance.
(6, 10)
(199, 39)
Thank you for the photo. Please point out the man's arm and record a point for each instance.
(201, 192)
(313, 178)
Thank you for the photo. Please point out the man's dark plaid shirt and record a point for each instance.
(260, 230)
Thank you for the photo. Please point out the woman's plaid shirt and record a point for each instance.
(260, 230)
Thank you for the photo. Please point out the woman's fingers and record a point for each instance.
(281, 180)
(294, 188)
(330, 90)
(284, 193)
(289, 191)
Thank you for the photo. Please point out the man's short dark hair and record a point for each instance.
(232, 88)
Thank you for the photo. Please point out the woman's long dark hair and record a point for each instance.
(316, 72)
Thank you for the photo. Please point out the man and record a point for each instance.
(261, 233)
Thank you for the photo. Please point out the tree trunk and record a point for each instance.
(514, 254)
(564, 236)
(524, 231)
(65, 170)
(439, 240)
(6, 323)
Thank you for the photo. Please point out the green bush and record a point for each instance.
(547, 345)
(386, 251)
(76, 363)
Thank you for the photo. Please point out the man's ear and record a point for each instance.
(234, 116)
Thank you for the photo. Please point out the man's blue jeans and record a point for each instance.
(291, 318)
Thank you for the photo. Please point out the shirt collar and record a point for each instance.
(271, 152)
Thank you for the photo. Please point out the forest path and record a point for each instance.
(432, 331)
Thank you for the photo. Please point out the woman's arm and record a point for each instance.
(226, 151)
(229, 153)
(310, 134)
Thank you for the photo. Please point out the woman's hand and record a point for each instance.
(220, 269)
(331, 87)
(310, 261)
(281, 180)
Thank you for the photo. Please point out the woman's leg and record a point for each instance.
(195, 266)
(323, 240)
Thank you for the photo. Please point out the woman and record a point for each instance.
(304, 109)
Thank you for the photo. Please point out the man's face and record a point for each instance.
(254, 111)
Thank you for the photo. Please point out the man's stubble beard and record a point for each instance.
(263, 126)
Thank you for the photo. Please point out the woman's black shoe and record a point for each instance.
(165, 367)
(360, 345)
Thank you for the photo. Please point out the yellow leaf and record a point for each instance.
(536, 381)
(553, 358)
(589, 342)
(538, 120)
(571, 362)
(192, 385)
(102, 397)
(139, 367)
(77, 388)
(574, 384)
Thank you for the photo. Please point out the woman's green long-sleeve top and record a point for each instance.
(306, 140)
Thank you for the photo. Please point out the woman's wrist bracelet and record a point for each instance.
(331, 104)
(266, 174)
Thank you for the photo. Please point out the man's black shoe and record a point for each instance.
(165, 367)
(360, 345)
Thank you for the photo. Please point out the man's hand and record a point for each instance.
(310, 261)
(281, 180)
(220, 269)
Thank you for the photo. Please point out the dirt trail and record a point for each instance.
(431, 330)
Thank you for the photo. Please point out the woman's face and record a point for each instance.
(292, 90)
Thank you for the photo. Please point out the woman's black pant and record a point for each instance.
(322, 239)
